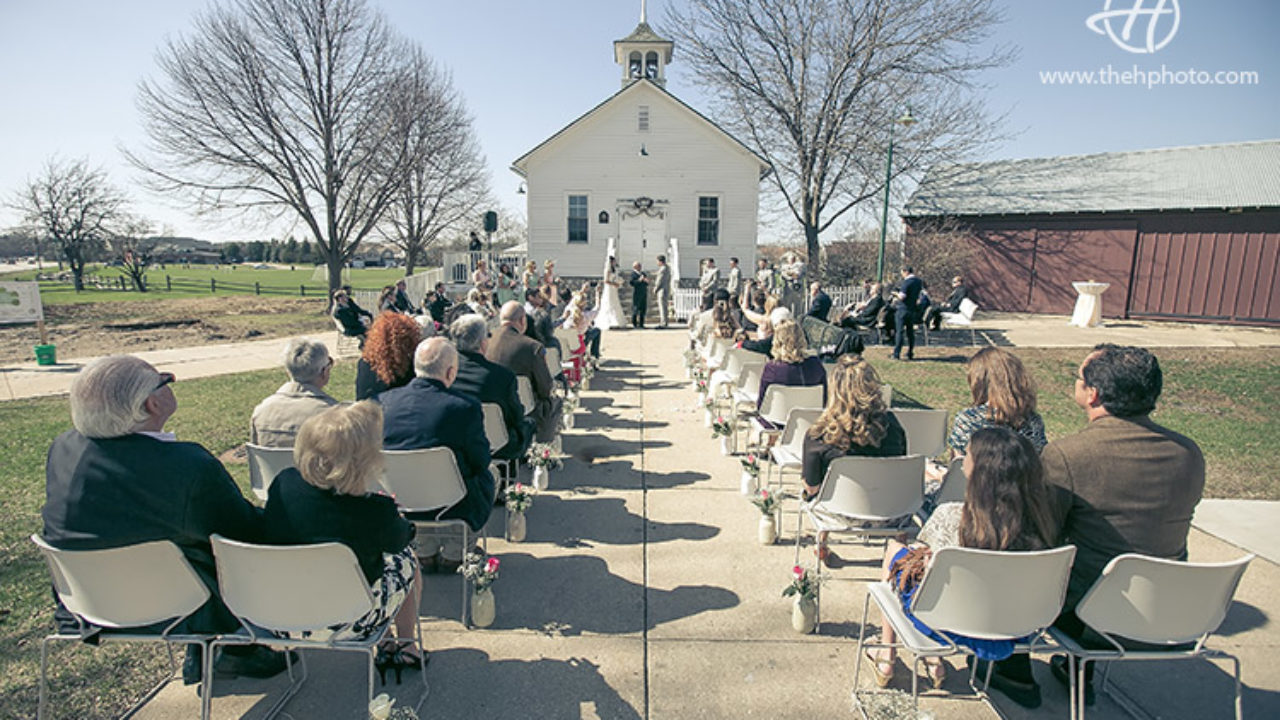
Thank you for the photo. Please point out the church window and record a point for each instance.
(633, 66)
(644, 118)
(577, 218)
(651, 66)
(708, 221)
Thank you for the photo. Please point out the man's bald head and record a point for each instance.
(437, 359)
(512, 314)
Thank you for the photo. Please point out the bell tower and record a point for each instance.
(643, 55)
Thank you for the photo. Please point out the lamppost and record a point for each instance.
(907, 120)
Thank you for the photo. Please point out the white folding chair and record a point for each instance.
(979, 594)
(962, 319)
(864, 496)
(886, 394)
(428, 482)
(495, 430)
(747, 391)
(778, 402)
(954, 484)
(264, 464)
(126, 588)
(1156, 602)
(716, 350)
(788, 452)
(926, 430)
(312, 593)
(524, 390)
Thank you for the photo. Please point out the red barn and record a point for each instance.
(1189, 233)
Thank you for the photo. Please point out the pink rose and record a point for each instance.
(797, 571)
(751, 459)
(492, 565)
(519, 487)
(764, 494)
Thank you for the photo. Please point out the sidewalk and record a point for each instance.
(641, 592)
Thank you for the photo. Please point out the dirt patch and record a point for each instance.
(91, 329)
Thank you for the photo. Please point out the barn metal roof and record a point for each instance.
(1236, 175)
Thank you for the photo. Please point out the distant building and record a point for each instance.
(1187, 233)
(642, 167)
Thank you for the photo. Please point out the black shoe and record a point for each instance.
(256, 662)
(1058, 667)
(192, 665)
(1025, 694)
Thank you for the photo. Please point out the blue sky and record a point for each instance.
(70, 68)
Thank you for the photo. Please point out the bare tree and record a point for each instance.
(133, 245)
(73, 206)
(815, 85)
(445, 178)
(285, 107)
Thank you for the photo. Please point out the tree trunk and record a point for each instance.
(335, 273)
(814, 252)
(409, 264)
(77, 269)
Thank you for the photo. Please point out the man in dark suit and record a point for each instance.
(639, 282)
(864, 314)
(489, 382)
(526, 357)
(819, 302)
(933, 313)
(905, 301)
(539, 324)
(118, 480)
(426, 413)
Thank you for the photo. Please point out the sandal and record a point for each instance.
(883, 677)
(936, 671)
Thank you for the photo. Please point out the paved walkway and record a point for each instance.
(641, 592)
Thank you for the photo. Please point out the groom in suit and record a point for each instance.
(639, 295)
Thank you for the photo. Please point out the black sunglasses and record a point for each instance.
(165, 379)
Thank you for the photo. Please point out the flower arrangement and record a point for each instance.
(751, 465)
(803, 583)
(720, 427)
(383, 708)
(691, 358)
(518, 498)
(700, 385)
(767, 502)
(481, 572)
(570, 403)
(540, 455)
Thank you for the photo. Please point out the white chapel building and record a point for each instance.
(646, 171)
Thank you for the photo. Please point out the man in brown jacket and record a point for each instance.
(1123, 484)
(526, 357)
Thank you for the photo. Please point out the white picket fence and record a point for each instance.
(688, 301)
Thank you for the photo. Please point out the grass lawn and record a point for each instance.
(1226, 400)
(194, 281)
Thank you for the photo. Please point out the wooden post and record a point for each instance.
(256, 290)
(44, 336)
(168, 283)
(302, 290)
(213, 285)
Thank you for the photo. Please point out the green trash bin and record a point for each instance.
(46, 354)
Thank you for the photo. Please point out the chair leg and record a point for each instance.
(1235, 661)
(42, 708)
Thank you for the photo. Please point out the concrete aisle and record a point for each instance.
(641, 593)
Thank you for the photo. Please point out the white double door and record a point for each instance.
(641, 237)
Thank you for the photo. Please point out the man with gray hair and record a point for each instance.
(118, 478)
(276, 419)
(489, 382)
(526, 357)
(427, 413)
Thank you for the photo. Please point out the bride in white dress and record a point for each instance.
(610, 306)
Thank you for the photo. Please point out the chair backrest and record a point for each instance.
(524, 390)
(291, 588)
(264, 464)
(1161, 601)
(926, 430)
(968, 308)
(993, 595)
(423, 480)
(733, 360)
(799, 420)
(553, 361)
(780, 399)
(717, 349)
(886, 394)
(568, 338)
(495, 428)
(749, 378)
(874, 488)
(125, 587)
(954, 483)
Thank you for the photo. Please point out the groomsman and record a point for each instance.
(639, 295)
(662, 290)
(708, 283)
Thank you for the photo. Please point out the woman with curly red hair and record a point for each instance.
(387, 359)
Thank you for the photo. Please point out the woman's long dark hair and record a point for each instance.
(1006, 504)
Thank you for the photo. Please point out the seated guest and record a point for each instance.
(1006, 508)
(400, 301)
(526, 357)
(702, 325)
(426, 414)
(1003, 394)
(354, 319)
(438, 303)
(488, 382)
(764, 342)
(478, 301)
(933, 313)
(387, 359)
(540, 325)
(725, 325)
(792, 363)
(120, 479)
(330, 495)
(855, 422)
(276, 420)
(581, 320)
(819, 302)
(1123, 484)
(387, 299)
(865, 313)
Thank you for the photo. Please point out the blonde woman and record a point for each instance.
(329, 496)
(529, 278)
(855, 422)
(792, 363)
(480, 277)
